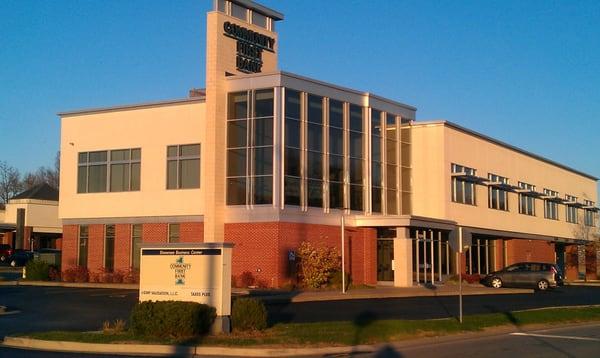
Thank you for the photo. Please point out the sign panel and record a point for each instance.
(196, 273)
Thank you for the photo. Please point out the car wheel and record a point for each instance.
(543, 285)
(2, 258)
(496, 282)
(13, 263)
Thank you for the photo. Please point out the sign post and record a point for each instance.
(459, 242)
(189, 272)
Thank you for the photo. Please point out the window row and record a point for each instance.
(232, 9)
(120, 170)
(109, 244)
(463, 190)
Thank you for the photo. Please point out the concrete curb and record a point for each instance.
(122, 286)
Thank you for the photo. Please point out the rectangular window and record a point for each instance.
(497, 196)
(293, 105)
(239, 11)
(173, 233)
(526, 202)
(136, 241)
(463, 189)
(376, 161)
(114, 170)
(336, 154)
(588, 214)
(571, 211)
(314, 154)
(83, 245)
(259, 19)
(250, 147)
(550, 206)
(109, 247)
(392, 160)
(183, 166)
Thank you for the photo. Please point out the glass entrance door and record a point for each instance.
(385, 255)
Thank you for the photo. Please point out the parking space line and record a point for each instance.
(555, 336)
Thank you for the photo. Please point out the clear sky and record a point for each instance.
(524, 72)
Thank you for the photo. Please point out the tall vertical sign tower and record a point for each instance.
(240, 39)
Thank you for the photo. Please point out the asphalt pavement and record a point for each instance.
(62, 308)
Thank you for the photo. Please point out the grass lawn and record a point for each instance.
(363, 330)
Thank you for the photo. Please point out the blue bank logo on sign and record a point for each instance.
(179, 268)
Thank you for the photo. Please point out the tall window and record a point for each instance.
(314, 153)
(136, 241)
(183, 166)
(292, 180)
(336, 154)
(526, 202)
(497, 196)
(463, 189)
(588, 214)
(376, 161)
(392, 161)
(357, 160)
(250, 148)
(173, 233)
(550, 206)
(405, 153)
(83, 245)
(571, 211)
(109, 247)
(109, 170)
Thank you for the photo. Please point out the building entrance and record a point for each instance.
(385, 258)
(431, 256)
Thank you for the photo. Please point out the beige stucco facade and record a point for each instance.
(40, 215)
(436, 145)
(150, 127)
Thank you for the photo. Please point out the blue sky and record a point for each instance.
(525, 72)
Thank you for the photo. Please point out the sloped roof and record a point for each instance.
(40, 192)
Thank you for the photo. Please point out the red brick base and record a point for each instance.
(261, 249)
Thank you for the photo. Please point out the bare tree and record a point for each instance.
(10, 182)
(44, 174)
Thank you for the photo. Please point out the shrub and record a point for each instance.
(247, 279)
(474, 278)
(54, 273)
(171, 319)
(76, 274)
(317, 264)
(131, 276)
(248, 314)
(335, 281)
(37, 270)
(117, 327)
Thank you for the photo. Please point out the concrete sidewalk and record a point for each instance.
(275, 296)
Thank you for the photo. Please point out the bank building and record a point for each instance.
(267, 159)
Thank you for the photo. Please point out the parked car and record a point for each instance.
(20, 257)
(5, 252)
(539, 275)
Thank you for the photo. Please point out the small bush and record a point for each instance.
(247, 279)
(317, 264)
(76, 274)
(171, 319)
(116, 328)
(54, 273)
(475, 278)
(37, 270)
(248, 314)
(335, 281)
(131, 276)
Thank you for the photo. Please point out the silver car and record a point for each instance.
(539, 275)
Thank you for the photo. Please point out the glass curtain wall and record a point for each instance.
(293, 138)
(391, 158)
(357, 160)
(314, 152)
(376, 161)
(250, 147)
(336, 154)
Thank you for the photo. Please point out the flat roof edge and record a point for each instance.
(323, 83)
(504, 144)
(275, 15)
(130, 106)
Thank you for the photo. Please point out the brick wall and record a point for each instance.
(262, 249)
(122, 247)
(155, 233)
(191, 232)
(96, 247)
(529, 250)
(69, 246)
